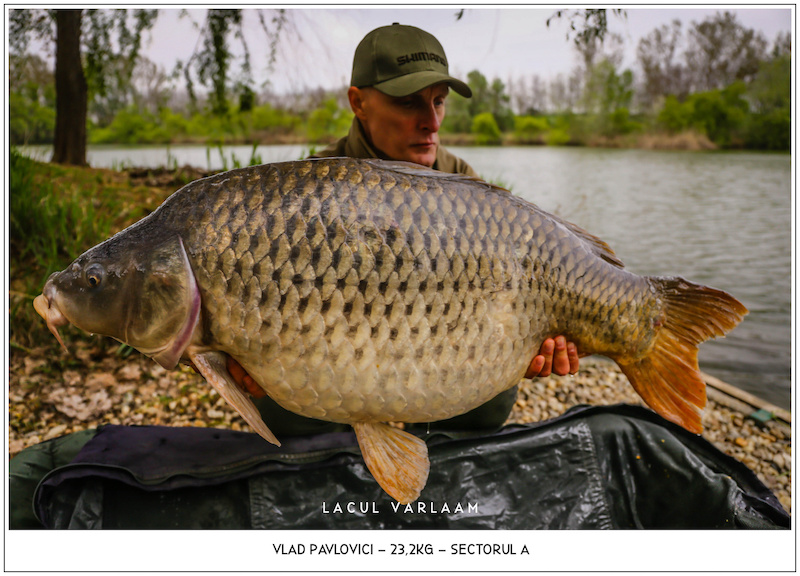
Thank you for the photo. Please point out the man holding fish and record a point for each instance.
(400, 82)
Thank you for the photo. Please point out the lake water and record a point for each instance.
(721, 219)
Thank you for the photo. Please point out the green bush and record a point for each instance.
(530, 129)
(486, 130)
(28, 121)
(720, 113)
(771, 131)
(130, 126)
(330, 121)
(621, 123)
(457, 120)
(267, 118)
(675, 116)
(557, 137)
(174, 124)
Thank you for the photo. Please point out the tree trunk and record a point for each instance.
(69, 145)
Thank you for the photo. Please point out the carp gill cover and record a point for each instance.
(366, 292)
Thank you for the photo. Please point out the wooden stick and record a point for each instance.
(746, 397)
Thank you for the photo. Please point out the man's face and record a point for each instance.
(404, 128)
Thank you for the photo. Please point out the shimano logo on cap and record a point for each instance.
(421, 56)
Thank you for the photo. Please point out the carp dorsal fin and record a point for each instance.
(596, 245)
(397, 460)
(213, 366)
(411, 169)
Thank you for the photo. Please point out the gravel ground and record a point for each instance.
(50, 397)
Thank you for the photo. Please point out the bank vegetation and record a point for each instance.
(710, 85)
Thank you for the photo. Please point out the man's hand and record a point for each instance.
(244, 380)
(557, 356)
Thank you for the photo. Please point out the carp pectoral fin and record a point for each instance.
(212, 365)
(397, 460)
(668, 377)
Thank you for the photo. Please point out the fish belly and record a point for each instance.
(405, 367)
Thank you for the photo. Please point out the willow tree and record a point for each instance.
(96, 51)
(84, 58)
(589, 25)
(210, 63)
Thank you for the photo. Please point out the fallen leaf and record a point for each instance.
(33, 364)
(71, 378)
(130, 372)
(55, 432)
(100, 380)
(80, 407)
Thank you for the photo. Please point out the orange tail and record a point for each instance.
(668, 378)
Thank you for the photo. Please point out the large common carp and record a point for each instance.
(368, 292)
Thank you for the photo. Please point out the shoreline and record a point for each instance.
(687, 141)
(100, 387)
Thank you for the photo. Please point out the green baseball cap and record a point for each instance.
(399, 60)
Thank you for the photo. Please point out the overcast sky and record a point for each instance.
(505, 43)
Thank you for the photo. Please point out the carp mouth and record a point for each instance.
(48, 310)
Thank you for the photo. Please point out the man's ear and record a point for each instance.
(357, 99)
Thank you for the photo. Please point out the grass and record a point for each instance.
(234, 161)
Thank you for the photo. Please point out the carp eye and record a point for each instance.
(94, 275)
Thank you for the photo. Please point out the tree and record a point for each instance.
(720, 113)
(499, 105)
(529, 99)
(69, 144)
(211, 64)
(771, 89)
(32, 98)
(82, 53)
(783, 45)
(770, 97)
(721, 51)
(490, 98)
(590, 24)
(327, 121)
(150, 87)
(480, 93)
(608, 95)
(662, 73)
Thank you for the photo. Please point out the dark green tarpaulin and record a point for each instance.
(593, 468)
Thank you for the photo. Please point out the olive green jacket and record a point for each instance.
(356, 145)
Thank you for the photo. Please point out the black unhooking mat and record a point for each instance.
(601, 467)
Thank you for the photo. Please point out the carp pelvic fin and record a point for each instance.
(212, 365)
(397, 460)
(668, 377)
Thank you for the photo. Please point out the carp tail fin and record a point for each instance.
(397, 460)
(668, 377)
